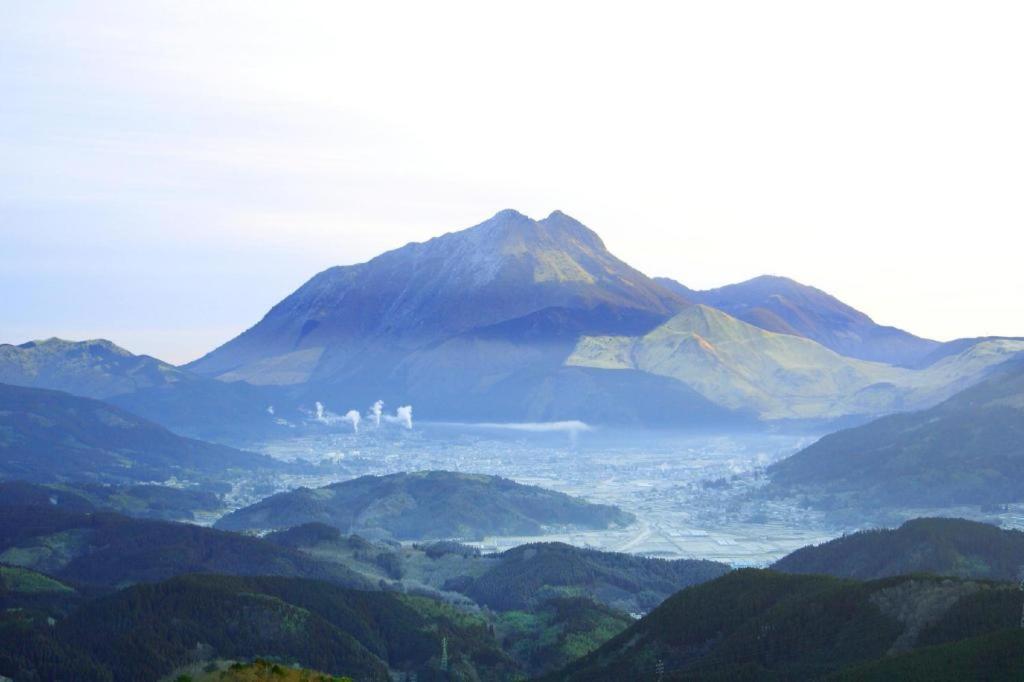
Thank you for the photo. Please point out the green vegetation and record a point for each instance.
(518, 579)
(109, 549)
(260, 670)
(15, 579)
(528, 575)
(954, 547)
(995, 657)
(147, 631)
(427, 505)
(967, 450)
(753, 624)
(557, 632)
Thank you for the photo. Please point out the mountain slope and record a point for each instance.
(956, 547)
(111, 550)
(147, 631)
(967, 450)
(754, 625)
(779, 304)
(184, 402)
(93, 369)
(780, 376)
(426, 505)
(351, 319)
(528, 575)
(48, 436)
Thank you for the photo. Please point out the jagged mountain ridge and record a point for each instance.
(502, 269)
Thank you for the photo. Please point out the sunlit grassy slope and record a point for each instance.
(781, 376)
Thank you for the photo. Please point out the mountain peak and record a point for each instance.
(502, 269)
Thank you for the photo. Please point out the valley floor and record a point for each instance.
(687, 490)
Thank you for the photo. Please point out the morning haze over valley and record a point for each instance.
(738, 409)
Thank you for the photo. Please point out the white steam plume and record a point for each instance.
(403, 416)
(353, 417)
(376, 410)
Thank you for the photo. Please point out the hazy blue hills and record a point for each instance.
(755, 625)
(779, 304)
(427, 505)
(94, 369)
(182, 401)
(967, 450)
(49, 436)
(139, 500)
(954, 547)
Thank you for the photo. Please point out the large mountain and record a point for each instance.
(967, 450)
(781, 376)
(349, 319)
(486, 324)
(49, 436)
(779, 304)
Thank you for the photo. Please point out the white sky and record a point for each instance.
(171, 170)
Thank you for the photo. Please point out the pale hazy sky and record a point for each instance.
(168, 171)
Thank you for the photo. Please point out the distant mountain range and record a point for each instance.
(967, 450)
(518, 319)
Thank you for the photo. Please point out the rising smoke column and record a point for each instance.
(376, 410)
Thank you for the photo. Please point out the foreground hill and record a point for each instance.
(427, 505)
(108, 549)
(148, 631)
(996, 657)
(531, 574)
(954, 547)
(49, 436)
(779, 304)
(520, 579)
(781, 376)
(753, 624)
(967, 450)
